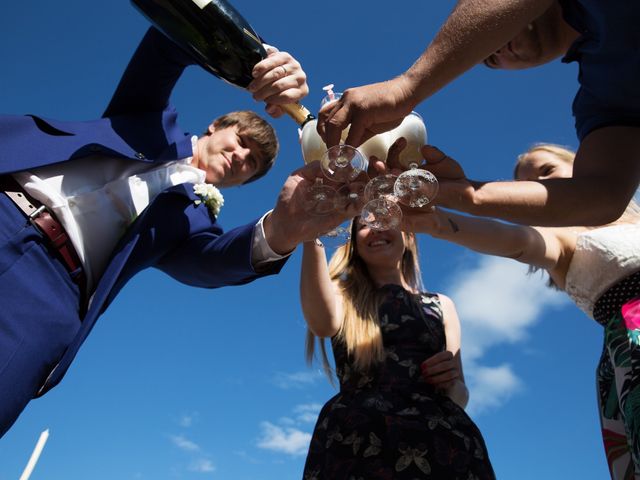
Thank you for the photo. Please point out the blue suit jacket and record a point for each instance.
(172, 233)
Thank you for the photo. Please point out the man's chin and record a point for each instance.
(216, 177)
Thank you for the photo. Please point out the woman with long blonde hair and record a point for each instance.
(598, 267)
(400, 409)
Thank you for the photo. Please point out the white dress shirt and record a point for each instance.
(97, 199)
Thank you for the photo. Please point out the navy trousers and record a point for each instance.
(39, 311)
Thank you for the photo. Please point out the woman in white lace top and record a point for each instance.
(598, 267)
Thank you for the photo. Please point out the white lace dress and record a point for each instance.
(604, 281)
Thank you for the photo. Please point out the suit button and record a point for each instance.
(140, 156)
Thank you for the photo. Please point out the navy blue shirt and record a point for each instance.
(608, 52)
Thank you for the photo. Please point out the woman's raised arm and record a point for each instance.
(319, 296)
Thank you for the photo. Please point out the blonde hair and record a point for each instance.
(360, 330)
(631, 213)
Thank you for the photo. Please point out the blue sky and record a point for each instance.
(179, 383)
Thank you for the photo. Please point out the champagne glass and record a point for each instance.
(381, 211)
(319, 199)
(342, 163)
(337, 236)
(350, 194)
(382, 185)
(415, 187)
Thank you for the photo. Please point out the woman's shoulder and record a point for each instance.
(437, 297)
(435, 301)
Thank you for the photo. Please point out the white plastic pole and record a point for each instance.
(35, 455)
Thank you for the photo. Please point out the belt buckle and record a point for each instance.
(35, 214)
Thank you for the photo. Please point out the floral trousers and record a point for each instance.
(618, 383)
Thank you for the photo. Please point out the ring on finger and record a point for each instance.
(284, 70)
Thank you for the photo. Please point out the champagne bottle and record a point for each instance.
(217, 36)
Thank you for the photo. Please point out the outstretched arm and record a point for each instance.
(474, 30)
(158, 63)
(321, 303)
(548, 248)
(606, 174)
(150, 77)
(289, 223)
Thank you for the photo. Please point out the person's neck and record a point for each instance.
(198, 147)
(387, 276)
(199, 151)
(565, 32)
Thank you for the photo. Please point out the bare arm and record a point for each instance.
(605, 176)
(474, 30)
(444, 369)
(546, 248)
(321, 303)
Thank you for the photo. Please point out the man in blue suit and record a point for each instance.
(87, 205)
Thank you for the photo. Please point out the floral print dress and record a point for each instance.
(388, 423)
(604, 280)
(618, 377)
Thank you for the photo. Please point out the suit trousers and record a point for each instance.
(39, 311)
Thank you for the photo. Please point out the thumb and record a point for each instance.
(441, 164)
(270, 49)
(376, 167)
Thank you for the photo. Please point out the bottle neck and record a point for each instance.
(300, 114)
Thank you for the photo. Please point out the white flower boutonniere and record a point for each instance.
(210, 196)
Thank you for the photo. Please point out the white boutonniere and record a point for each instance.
(210, 196)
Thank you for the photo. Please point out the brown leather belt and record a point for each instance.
(41, 218)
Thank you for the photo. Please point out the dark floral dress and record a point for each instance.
(388, 423)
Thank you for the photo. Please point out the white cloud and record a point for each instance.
(491, 387)
(198, 458)
(296, 380)
(285, 440)
(498, 302)
(202, 465)
(286, 421)
(307, 413)
(184, 443)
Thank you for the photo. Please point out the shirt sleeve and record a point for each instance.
(261, 253)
